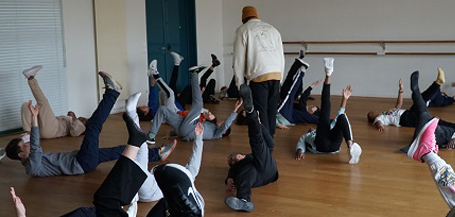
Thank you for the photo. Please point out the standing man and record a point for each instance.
(258, 56)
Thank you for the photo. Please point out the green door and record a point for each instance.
(171, 26)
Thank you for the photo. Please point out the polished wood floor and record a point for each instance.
(384, 183)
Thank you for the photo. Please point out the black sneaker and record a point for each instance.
(247, 97)
(176, 183)
(212, 100)
(196, 69)
(109, 82)
(239, 205)
(215, 61)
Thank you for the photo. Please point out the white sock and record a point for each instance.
(431, 158)
(130, 106)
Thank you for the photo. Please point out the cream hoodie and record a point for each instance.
(258, 50)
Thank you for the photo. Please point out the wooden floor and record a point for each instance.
(384, 183)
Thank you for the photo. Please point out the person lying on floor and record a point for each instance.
(257, 169)
(400, 117)
(329, 134)
(184, 125)
(43, 164)
(423, 148)
(166, 94)
(126, 178)
(51, 126)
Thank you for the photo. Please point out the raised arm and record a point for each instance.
(400, 95)
(35, 156)
(194, 164)
(347, 91)
(223, 126)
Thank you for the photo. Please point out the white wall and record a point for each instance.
(136, 39)
(209, 26)
(357, 20)
(80, 56)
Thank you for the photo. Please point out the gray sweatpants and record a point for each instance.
(443, 176)
(183, 126)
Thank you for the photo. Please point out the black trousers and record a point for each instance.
(329, 140)
(119, 188)
(233, 91)
(263, 169)
(265, 100)
(409, 117)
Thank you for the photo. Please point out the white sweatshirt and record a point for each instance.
(258, 50)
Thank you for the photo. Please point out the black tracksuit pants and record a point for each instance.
(329, 140)
(263, 169)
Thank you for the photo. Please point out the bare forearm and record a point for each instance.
(399, 99)
(34, 120)
(343, 102)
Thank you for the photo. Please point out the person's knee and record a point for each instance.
(24, 107)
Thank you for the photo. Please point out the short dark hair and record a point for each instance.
(12, 149)
(227, 132)
(369, 117)
(144, 117)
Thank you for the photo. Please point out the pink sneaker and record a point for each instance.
(425, 142)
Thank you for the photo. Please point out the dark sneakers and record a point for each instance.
(247, 97)
(239, 205)
(176, 183)
(215, 61)
(109, 82)
(196, 69)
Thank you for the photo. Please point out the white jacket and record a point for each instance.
(258, 50)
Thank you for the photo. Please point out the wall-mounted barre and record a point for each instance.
(381, 43)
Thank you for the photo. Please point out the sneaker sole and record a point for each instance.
(416, 142)
(116, 83)
(233, 203)
(245, 93)
(170, 151)
(354, 154)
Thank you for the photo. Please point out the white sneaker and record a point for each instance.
(153, 69)
(328, 65)
(177, 58)
(354, 153)
(32, 71)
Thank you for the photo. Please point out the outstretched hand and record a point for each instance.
(199, 130)
(400, 84)
(299, 155)
(316, 83)
(230, 184)
(20, 208)
(33, 109)
(347, 91)
(237, 105)
(72, 115)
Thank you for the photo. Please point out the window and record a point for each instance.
(30, 34)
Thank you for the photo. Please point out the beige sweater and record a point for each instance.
(258, 50)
